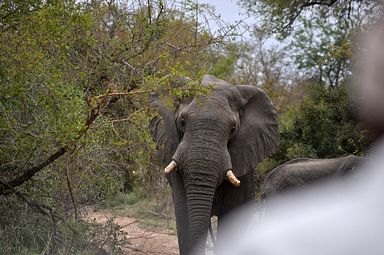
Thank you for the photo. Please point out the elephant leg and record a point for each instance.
(181, 213)
(232, 197)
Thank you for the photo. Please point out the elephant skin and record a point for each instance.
(299, 172)
(229, 128)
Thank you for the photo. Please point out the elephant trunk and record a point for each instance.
(199, 204)
(203, 158)
(201, 178)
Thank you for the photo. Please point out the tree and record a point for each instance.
(282, 16)
(322, 51)
(319, 33)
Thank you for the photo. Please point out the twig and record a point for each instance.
(70, 189)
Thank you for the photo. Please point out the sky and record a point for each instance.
(229, 11)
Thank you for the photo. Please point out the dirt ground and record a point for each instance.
(142, 238)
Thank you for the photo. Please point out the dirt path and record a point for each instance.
(142, 240)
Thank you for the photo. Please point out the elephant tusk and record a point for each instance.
(232, 178)
(171, 167)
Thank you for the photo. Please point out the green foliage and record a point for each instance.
(322, 50)
(320, 126)
(224, 67)
(225, 64)
(300, 150)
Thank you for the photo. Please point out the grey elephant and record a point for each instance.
(298, 172)
(212, 144)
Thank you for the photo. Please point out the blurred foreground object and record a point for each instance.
(368, 81)
(343, 217)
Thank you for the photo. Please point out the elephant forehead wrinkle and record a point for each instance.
(201, 150)
(206, 140)
(209, 144)
(212, 123)
(211, 132)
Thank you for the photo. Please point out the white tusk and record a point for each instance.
(171, 167)
(232, 178)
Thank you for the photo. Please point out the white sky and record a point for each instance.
(229, 11)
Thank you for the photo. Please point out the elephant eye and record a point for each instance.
(181, 124)
(233, 129)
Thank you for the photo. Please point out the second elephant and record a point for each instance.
(298, 172)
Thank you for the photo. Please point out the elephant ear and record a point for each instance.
(257, 136)
(163, 127)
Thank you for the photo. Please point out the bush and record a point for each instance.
(25, 230)
(322, 125)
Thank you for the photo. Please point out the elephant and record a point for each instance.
(211, 144)
(303, 171)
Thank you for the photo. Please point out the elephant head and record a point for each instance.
(207, 139)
